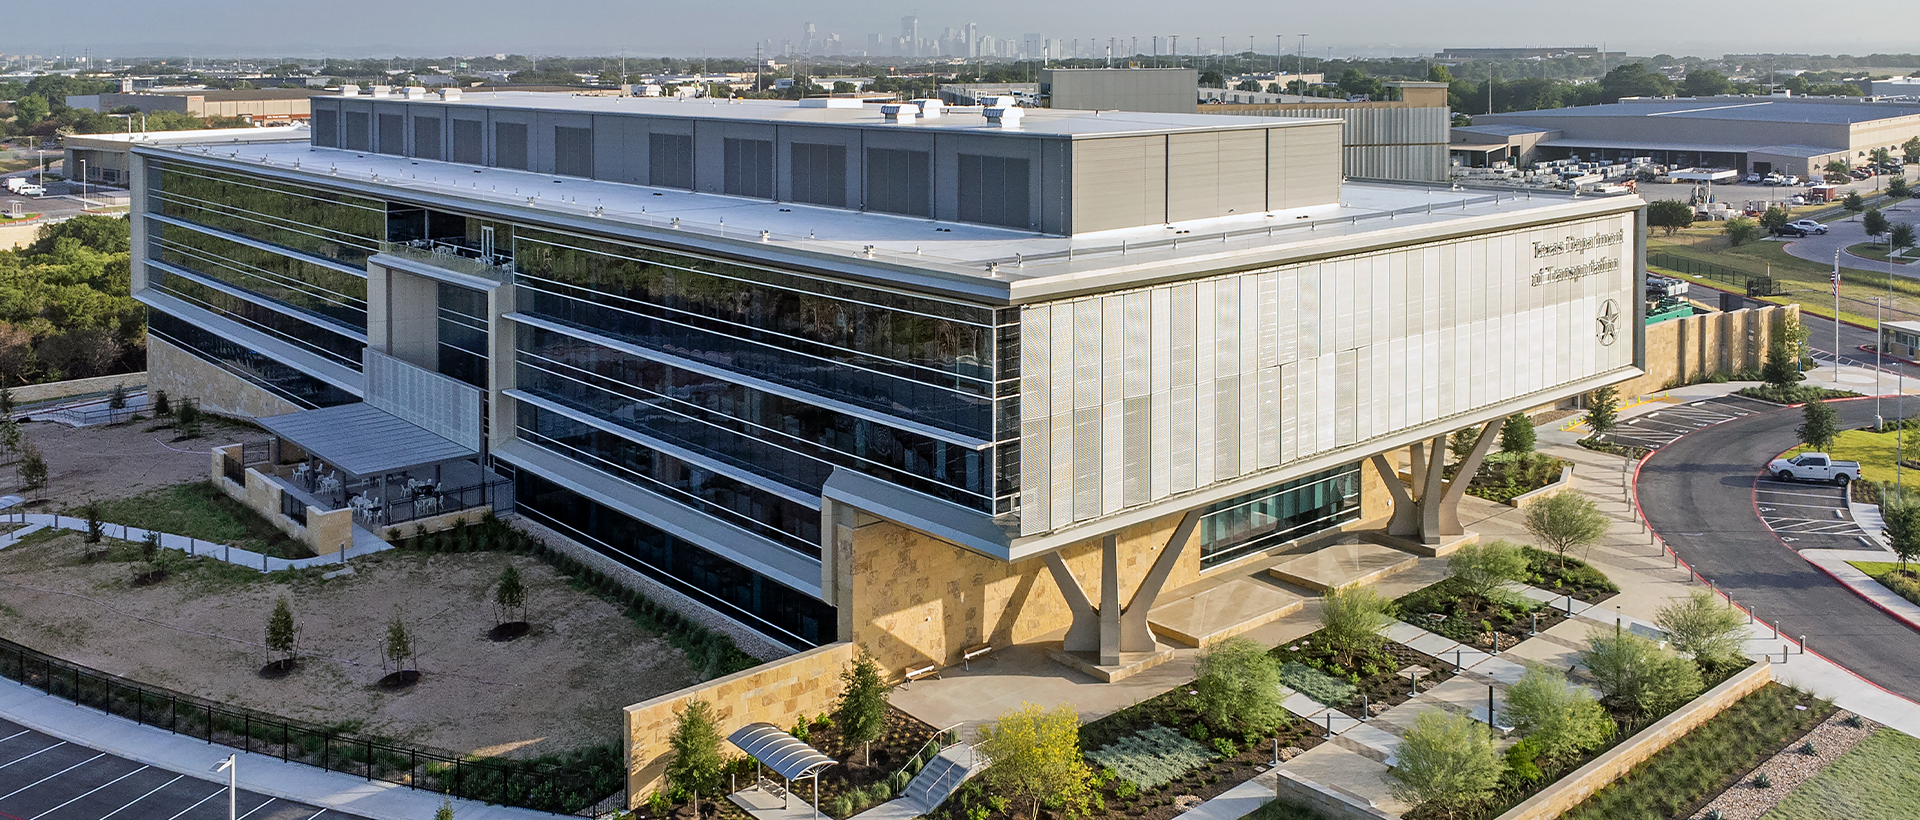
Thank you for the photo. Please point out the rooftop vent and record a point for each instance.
(899, 112)
(349, 90)
(381, 90)
(1005, 116)
(831, 102)
(414, 92)
(930, 108)
(449, 94)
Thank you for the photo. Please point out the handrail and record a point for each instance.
(937, 736)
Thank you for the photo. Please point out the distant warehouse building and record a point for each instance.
(258, 105)
(1750, 134)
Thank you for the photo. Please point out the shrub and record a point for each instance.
(1520, 760)
(1516, 435)
(162, 406)
(693, 761)
(1636, 674)
(1036, 758)
(1603, 409)
(1239, 686)
(1809, 749)
(188, 419)
(1854, 722)
(841, 806)
(1151, 757)
(879, 793)
(117, 397)
(1560, 720)
(1446, 761)
(1762, 781)
(1703, 629)
(1352, 620)
(1819, 423)
(33, 468)
(1225, 746)
(1741, 230)
(897, 782)
(1565, 522)
(1482, 570)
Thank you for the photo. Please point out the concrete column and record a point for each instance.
(1083, 634)
(1406, 515)
(1433, 486)
(1136, 635)
(1417, 454)
(1448, 504)
(1110, 600)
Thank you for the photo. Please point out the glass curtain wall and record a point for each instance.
(1297, 508)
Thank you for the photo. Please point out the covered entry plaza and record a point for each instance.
(388, 470)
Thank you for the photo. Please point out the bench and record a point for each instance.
(966, 657)
(916, 673)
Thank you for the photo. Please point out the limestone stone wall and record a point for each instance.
(1328, 801)
(184, 375)
(1686, 350)
(777, 692)
(1584, 781)
(30, 393)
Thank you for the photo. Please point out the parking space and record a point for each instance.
(45, 778)
(1809, 515)
(1657, 428)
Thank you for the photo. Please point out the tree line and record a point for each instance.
(65, 308)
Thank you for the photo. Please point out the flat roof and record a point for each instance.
(1040, 122)
(976, 261)
(267, 133)
(364, 440)
(1737, 109)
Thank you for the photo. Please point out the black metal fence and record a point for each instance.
(292, 507)
(1752, 284)
(233, 470)
(557, 789)
(496, 493)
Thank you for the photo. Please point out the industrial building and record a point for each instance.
(102, 159)
(1788, 135)
(916, 377)
(263, 105)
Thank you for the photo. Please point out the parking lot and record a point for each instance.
(1809, 515)
(1657, 428)
(45, 777)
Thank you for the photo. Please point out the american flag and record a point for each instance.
(1836, 283)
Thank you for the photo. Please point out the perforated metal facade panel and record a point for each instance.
(573, 151)
(1224, 377)
(426, 137)
(994, 191)
(1120, 182)
(442, 405)
(325, 123)
(393, 133)
(898, 182)
(468, 143)
(359, 131)
(670, 160)
(749, 168)
(510, 145)
(818, 173)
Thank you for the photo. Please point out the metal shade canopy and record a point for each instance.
(785, 754)
(363, 440)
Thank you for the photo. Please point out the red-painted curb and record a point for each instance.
(1900, 616)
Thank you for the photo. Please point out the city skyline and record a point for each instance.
(225, 29)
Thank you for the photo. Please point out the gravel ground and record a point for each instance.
(1789, 768)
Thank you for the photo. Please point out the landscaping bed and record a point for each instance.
(199, 510)
(850, 786)
(1570, 576)
(1445, 609)
(1903, 582)
(1503, 476)
(1795, 394)
(1878, 779)
(1688, 774)
(1313, 668)
(1622, 450)
(1876, 452)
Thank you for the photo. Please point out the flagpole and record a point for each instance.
(1836, 319)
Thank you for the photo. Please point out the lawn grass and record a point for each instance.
(199, 510)
(1877, 251)
(1716, 754)
(1878, 779)
(1889, 575)
(1807, 283)
(1279, 809)
(1874, 451)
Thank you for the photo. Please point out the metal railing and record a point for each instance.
(941, 741)
(1752, 284)
(437, 502)
(556, 789)
(292, 507)
(458, 258)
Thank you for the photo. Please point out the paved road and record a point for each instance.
(45, 777)
(1843, 233)
(1699, 493)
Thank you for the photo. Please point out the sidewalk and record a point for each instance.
(365, 542)
(261, 773)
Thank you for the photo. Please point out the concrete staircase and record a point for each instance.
(943, 775)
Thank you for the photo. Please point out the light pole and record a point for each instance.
(1879, 344)
(83, 184)
(233, 788)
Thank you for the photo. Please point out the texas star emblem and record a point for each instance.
(1609, 322)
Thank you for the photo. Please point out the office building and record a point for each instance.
(262, 105)
(916, 377)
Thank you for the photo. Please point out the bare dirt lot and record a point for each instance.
(111, 461)
(201, 631)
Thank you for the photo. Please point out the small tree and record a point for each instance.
(1741, 230)
(33, 467)
(1239, 686)
(693, 754)
(1483, 570)
(117, 399)
(1670, 215)
(1794, 334)
(188, 419)
(861, 711)
(1036, 759)
(1561, 719)
(280, 631)
(6, 402)
(1911, 149)
(445, 812)
(150, 548)
(1873, 222)
(399, 645)
(1838, 171)
(10, 435)
(1603, 409)
(1897, 187)
(162, 406)
(1818, 425)
(1352, 619)
(1779, 371)
(1902, 518)
(96, 529)
(1901, 236)
(1516, 436)
(1775, 218)
(1703, 629)
(509, 595)
(1636, 674)
(1447, 761)
(1564, 523)
(1461, 443)
(1854, 202)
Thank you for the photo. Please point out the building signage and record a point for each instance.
(1580, 245)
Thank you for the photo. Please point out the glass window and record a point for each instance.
(286, 326)
(462, 325)
(1298, 508)
(263, 371)
(789, 616)
(329, 224)
(310, 288)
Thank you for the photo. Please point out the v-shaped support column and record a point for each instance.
(1430, 510)
(1108, 628)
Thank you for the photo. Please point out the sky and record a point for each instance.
(360, 28)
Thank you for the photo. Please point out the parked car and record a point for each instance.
(1790, 180)
(1809, 226)
(1814, 467)
(1790, 230)
(31, 189)
(1752, 179)
(1773, 179)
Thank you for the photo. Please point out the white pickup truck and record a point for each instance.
(1814, 467)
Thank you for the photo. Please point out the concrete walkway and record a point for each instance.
(1834, 563)
(365, 542)
(260, 773)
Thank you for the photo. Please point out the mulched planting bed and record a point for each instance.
(1376, 676)
(1442, 609)
(904, 736)
(1574, 577)
(1798, 761)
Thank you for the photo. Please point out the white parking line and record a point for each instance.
(1808, 506)
(156, 789)
(52, 776)
(197, 805)
(14, 735)
(95, 789)
(257, 808)
(48, 749)
(318, 813)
